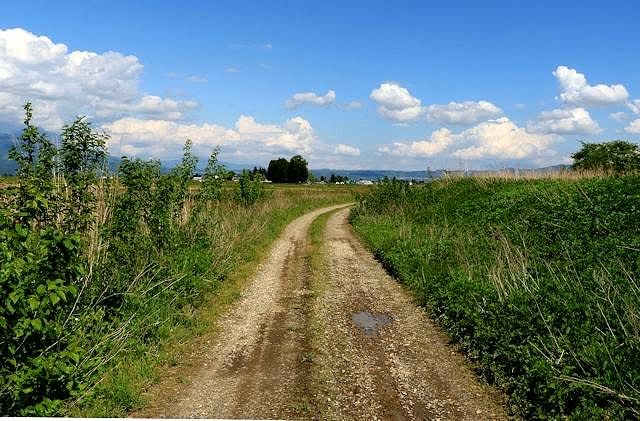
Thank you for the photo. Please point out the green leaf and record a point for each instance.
(34, 303)
(13, 296)
(73, 290)
(75, 357)
(54, 298)
(37, 324)
(69, 243)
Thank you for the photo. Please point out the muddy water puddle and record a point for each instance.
(370, 322)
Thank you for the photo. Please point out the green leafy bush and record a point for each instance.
(249, 190)
(619, 157)
(41, 264)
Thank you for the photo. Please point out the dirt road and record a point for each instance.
(326, 334)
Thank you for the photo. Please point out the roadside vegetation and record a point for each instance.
(535, 279)
(98, 271)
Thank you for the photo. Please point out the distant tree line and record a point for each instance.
(282, 171)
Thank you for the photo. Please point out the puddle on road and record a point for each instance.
(370, 322)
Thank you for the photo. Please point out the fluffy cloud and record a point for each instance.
(634, 106)
(62, 84)
(439, 141)
(396, 103)
(575, 90)
(564, 121)
(311, 98)
(248, 138)
(347, 150)
(503, 139)
(494, 139)
(465, 113)
(633, 127)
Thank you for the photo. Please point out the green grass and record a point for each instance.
(535, 279)
(319, 284)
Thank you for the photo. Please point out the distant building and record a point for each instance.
(365, 182)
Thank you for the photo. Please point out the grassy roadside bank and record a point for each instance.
(535, 279)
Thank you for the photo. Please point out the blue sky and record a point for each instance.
(396, 86)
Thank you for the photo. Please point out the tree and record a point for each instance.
(298, 171)
(213, 178)
(35, 155)
(619, 156)
(249, 190)
(258, 173)
(82, 156)
(278, 170)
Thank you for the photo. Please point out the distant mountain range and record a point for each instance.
(377, 174)
(8, 167)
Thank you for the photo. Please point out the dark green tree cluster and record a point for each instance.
(282, 171)
(258, 173)
(338, 179)
(619, 157)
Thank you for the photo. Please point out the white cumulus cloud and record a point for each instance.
(575, 90)
(342, 149)
(437, 143)
(248, 138)
(564, 121)
(634, 106)
(633, 127)
(493, 139)
(396, 102)
(311, 98)
(464, 113)
(503, 139)
(62, 84)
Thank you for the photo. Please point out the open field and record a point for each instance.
(537, 280)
